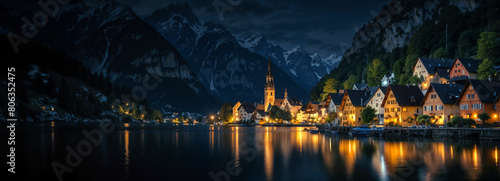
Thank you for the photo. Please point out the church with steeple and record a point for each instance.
(270, 91)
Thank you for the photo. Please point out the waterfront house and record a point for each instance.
(440, 102)
(353, 103)
(245, 112)
(477, 97)
(402, 105)
(292, 105)
(309, 112)
(463, 69)
(333, 102)
(259, 114)
(426, 68)
(375, 102)
(300, 113)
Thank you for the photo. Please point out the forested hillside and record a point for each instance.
(448, 32)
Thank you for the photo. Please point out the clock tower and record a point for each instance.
(269, 91)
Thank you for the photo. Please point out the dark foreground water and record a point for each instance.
(141, 152)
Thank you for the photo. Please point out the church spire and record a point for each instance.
(269, 66)
(286, 93)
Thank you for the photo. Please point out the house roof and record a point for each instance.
(360, 86)
(294, 101)
(487, 91)
(314, 105)
(443, 72)
(336, 98)
(278, 102)
(470, 65)
(261, 107)
(404, 94)
(447, 93)
(373, 89)
(248, 107)
(430, 64)
(304, 107)
(262, 113)
(383, 89)
(358, 97)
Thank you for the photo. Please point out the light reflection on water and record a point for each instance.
(281, 153)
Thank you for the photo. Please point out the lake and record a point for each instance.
(146, 152)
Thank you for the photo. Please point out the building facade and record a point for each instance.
(440, 102)
(402, 105)
(376, 103)
(479, 97)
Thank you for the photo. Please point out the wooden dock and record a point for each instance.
(481, 133)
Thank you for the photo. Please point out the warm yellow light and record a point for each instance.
(340, 114)
(212, 117)
(495, 115)
(52, 109)
(475, 115)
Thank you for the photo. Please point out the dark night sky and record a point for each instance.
(317, 26)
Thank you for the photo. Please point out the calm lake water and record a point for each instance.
(140, 152)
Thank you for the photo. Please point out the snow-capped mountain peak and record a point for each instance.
(332, 61)
(252, 41)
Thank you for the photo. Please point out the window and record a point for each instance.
(472, 96)
(376, 104)
(439, 107)
(392, 109)
(476, 106)
(458, 64)
(399, 109)
(468, 96)
(458, 71)
(404, 109)
(455, 71)
(464, 106)
(416, 111)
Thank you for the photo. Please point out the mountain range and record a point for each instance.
(196, 65)
(110, 39)
(226, 65)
